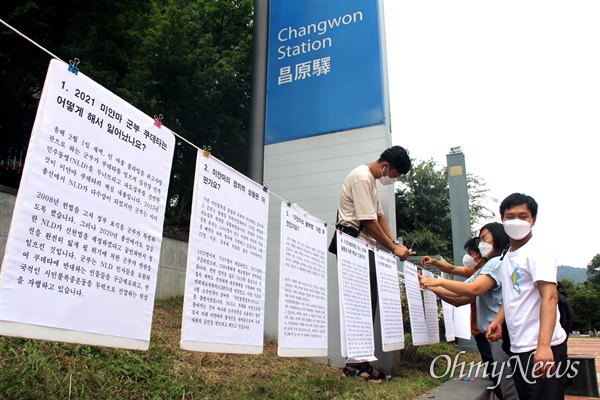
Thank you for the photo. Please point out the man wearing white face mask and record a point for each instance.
(530, 306)
(360, 215)
(359, 207)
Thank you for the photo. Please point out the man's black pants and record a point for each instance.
(530, 387)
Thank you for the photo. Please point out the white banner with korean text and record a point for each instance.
(83, 249)
(356, 320)
(448, 310)
(390, 305)
(431, 313)
(302, 285)
(224, 300)
(418, 326)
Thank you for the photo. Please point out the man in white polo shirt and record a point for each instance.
(530, 306)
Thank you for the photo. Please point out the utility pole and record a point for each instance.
(260, 45)
(459, 202)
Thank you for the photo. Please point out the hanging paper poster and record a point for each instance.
(431, 312)
(448, 311)
(224, 300)
(418, 326)
(302, 285)
(462, 321)
(82, 254)
(390, 305)
(356, 320)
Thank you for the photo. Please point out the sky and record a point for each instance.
(515, 84)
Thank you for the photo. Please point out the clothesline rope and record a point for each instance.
(174, 133)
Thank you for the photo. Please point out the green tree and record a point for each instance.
(423, 208)
(22, 71)
(193, 66)
(585, 301)
(593, 271)
(186, 60)
(585, 298)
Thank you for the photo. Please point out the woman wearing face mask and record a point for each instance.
(472, 261)
(483, 287)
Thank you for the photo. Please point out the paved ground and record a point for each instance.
(585, 345)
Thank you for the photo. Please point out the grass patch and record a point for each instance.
(37, 369)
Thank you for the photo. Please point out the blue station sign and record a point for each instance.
(325, 70)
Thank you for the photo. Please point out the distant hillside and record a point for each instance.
(577, 275)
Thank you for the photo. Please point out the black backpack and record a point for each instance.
(566, 312)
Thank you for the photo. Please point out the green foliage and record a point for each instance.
(423, 208)
(585, 298)
(593, 270)
(194, 58)
(423, 357)
(187, 60)
(585, 301)
(36, 369)
(588, 297)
